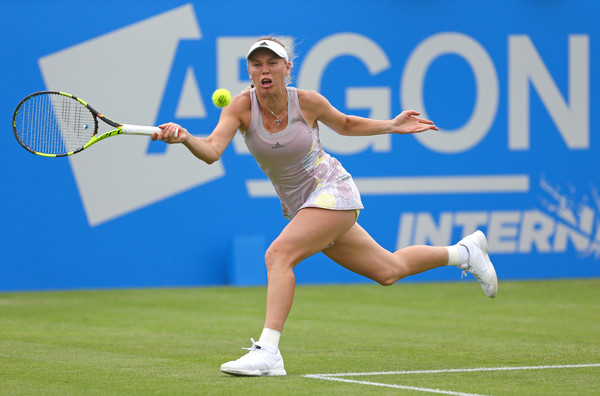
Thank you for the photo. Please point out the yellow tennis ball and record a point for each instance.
(221, 97)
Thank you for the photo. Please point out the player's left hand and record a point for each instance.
(408, 122)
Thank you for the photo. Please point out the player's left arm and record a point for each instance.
(321, 110)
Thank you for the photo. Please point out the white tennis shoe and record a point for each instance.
(262, 360)
(479, 263)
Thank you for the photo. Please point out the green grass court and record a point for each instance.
(172, 341)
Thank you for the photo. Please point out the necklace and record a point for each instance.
(277, 119)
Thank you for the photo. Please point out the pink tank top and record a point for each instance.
(302, 174)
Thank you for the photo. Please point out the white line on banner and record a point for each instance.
(419, 185)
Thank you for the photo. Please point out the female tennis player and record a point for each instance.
(320, 199)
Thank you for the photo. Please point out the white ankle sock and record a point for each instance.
(457, 254)
(269, 337)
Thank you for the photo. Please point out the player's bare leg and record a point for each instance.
(360, 253)
(311, 231)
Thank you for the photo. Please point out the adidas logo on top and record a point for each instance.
(264, 43)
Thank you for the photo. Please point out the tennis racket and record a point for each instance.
(57, 124)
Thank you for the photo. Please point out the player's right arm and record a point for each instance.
(211, 148)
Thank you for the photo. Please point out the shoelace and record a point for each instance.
(253, 347)
(465, 272)
(466, 266)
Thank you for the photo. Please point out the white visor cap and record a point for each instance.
(270, 45)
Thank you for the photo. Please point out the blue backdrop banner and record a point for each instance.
(511, 85)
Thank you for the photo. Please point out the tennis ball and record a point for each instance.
(221, 97)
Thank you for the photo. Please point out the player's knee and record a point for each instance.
(270, 258)
(391, 274)
(276, 258)
(386, 280)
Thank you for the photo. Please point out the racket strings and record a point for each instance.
(54, 124)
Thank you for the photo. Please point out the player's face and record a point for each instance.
(267, 71)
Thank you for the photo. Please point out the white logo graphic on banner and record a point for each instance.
(124, 74)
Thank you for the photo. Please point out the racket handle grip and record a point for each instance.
(129, 129)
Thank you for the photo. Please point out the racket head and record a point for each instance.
(54, 124)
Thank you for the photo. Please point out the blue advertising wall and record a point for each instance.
(512, 86)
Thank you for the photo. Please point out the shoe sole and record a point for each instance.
(255, 373)
(483, 245)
